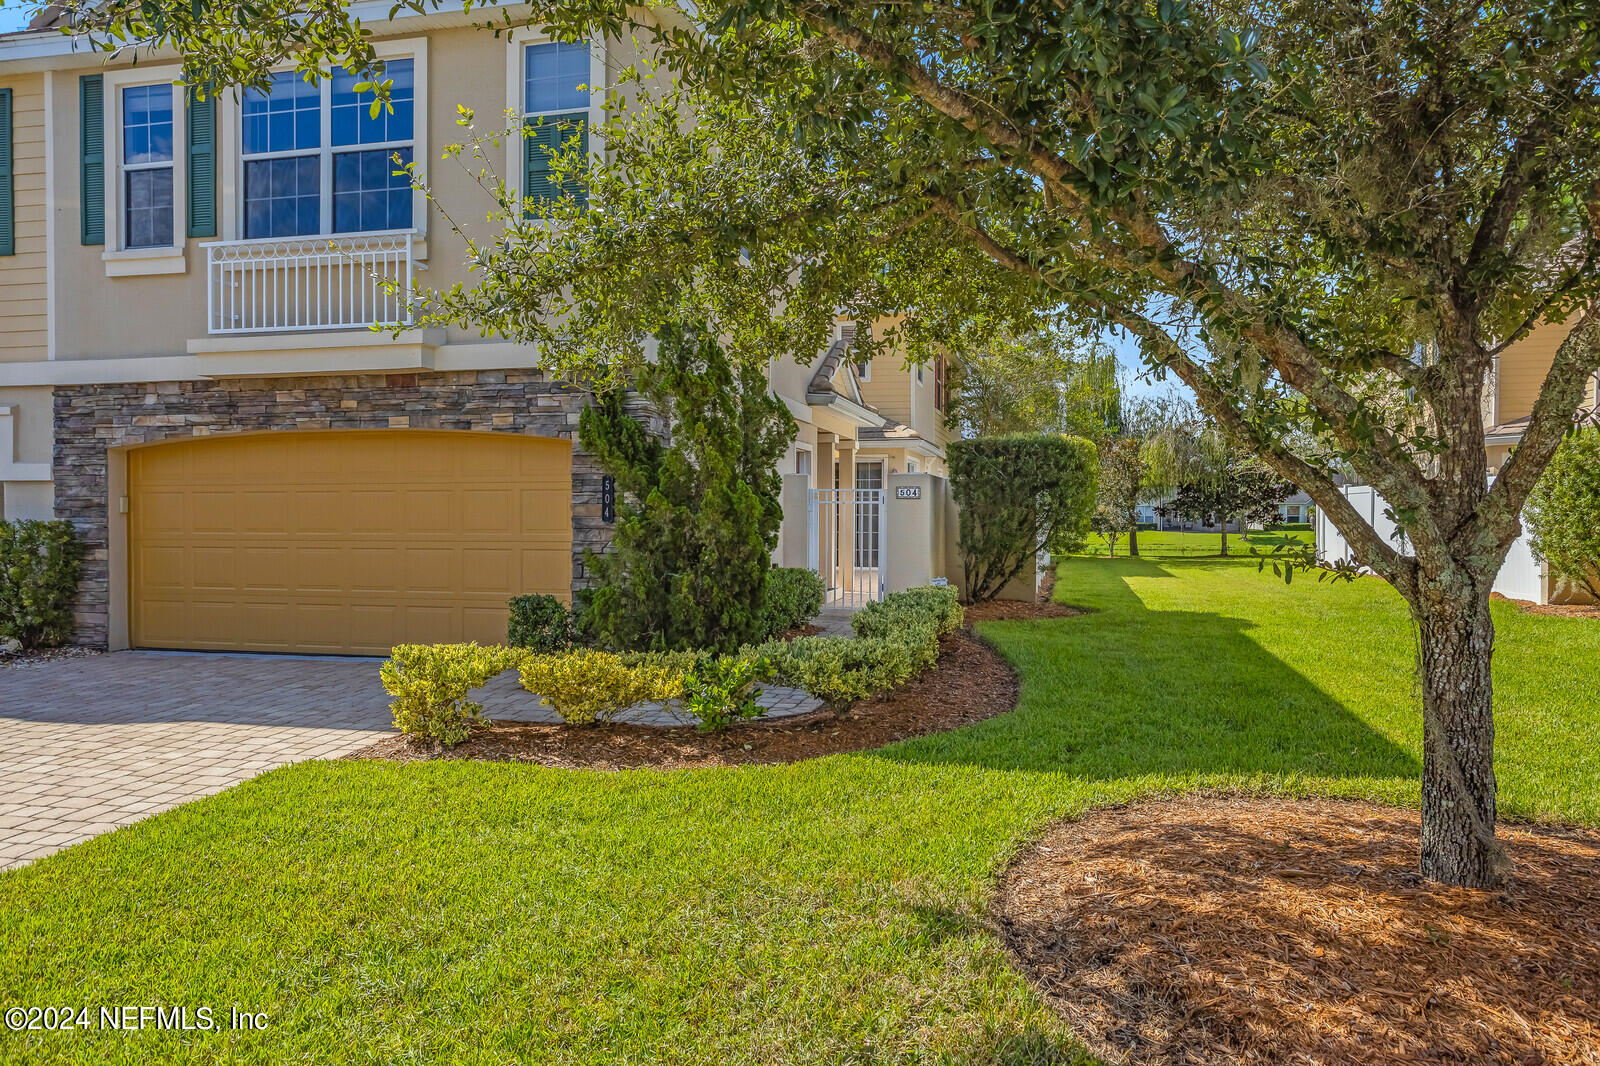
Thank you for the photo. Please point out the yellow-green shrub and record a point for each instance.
(594, 686)
(430, 682)
(837, 670)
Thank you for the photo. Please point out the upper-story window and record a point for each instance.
(317, 161)
(556, 105)
(147, 165)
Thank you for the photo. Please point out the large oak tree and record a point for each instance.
(1327, 217)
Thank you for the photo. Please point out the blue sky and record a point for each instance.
(14, 16)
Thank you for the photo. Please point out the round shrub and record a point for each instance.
(793, 598)
(539, 623)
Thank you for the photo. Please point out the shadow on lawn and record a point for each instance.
(1128, 691)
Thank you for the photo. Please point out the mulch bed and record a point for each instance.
(970, 683)
(1019, 611)
(1044, 606)
(1216, 930)
(1562, 610)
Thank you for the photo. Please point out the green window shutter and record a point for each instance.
(551, 134)
(202, 122)
(8, 204)
(92, 168)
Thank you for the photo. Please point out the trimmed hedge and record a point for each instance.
(1018, 495)
(793, 598)
(539, 623)
(430, 682)
(40, 563)
(896, 640)
(587, 686)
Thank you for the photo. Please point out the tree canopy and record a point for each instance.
(1326, 217)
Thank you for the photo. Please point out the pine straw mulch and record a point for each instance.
(970, 683)
(1273, 931)
(1562, 610)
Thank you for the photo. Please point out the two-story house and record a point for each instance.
(188, 373)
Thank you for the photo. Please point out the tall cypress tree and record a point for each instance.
(697, 514)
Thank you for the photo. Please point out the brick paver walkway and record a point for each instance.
(90, 744)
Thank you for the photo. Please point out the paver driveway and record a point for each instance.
(89, 744)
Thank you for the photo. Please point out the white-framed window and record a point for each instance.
(149, 117)
(911, 466)
(145, 179)
(543, 80)
(865, 370)
(802, 461)
(919, 373)
(315, 160)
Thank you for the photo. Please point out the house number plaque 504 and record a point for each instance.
(908, 492)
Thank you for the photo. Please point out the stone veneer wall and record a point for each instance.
(89, 419)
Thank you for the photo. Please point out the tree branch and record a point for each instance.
(1498, 517)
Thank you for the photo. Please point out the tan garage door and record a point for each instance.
(345, 542)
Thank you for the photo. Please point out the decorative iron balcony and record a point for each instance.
(309, 283)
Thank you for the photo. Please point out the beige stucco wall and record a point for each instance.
(23, 321)
(28, 421)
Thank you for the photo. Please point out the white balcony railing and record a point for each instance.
(309, 283)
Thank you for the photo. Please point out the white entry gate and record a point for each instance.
(845, 530)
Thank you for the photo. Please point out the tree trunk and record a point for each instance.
(1456, 641)
(1133, 539)
(1224, 536)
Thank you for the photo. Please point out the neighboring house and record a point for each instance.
(1297, 508)
(1513, 387)
(187, 371)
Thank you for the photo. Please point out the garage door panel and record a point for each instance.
(162, 567)
(537, 516)
(432, 511)
(216, 568)
(421, 620)
(372, 569)
(343, 541)
(161, 511)
(378, 511)
(483, 624)
(539, 572)
(488, 570)
(320, 509)
(321, 571)
(490, 511)
(263, 511)
(432, 570)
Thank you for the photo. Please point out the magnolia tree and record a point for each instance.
(1327, 217)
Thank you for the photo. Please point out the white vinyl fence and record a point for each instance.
(1520, 578)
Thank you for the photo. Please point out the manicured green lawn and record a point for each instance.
(827, 912)
(1163, 544)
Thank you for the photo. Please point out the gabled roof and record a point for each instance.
(833, 360)
(824, 391)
